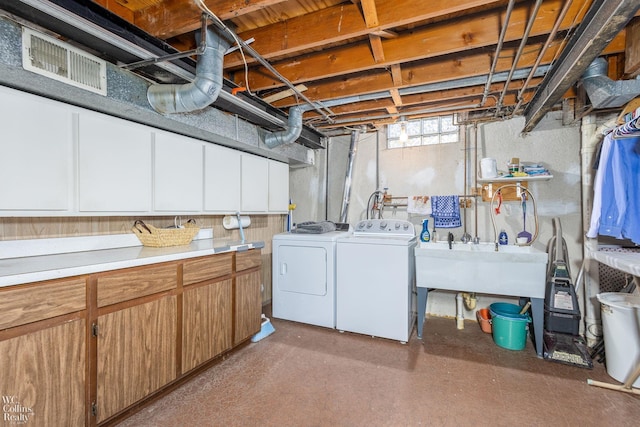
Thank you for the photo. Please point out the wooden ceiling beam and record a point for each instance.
(426, 72)
(171, 18)
(395, 96)
(370, 13)
(376, 48)
(476, 31)
(345, 22)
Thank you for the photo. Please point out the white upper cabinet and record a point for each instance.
(36, 161)
(178, 172)
(278, 187)
(57, 159)
(221, 179)
(255, 184)
(114, 164)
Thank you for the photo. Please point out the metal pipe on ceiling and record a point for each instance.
(545, 47)
(603, 21)
(113, 39)
(494, 63)
(200, 93)
(523, 43)
(245, 46)
(432, 87)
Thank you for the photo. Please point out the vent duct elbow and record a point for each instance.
(203, 91)
(604, 92)
(289, 135)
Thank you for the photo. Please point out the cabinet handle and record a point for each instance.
(283, 269)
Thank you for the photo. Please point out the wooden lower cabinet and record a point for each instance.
(248, 305)
(82, 350)
(206, 322)
(43, 376)
(136, 354)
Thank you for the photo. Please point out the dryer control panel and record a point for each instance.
(386, 227)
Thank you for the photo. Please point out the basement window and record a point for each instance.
(427, 131)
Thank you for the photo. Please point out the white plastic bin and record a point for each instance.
(621, 326)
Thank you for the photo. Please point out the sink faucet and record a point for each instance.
(450, 240)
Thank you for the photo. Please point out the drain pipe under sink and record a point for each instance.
(459, 311)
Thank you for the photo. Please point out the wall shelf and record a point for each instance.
(511, 179)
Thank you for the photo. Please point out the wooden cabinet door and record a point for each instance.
(248, 305)
(207, 322)
(43, 377)
(136, 354)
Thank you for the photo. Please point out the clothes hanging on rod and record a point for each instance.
(616, 201)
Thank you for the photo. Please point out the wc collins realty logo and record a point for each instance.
(13, 412)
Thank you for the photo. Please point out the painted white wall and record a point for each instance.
(439, 170)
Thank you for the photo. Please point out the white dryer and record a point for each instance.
(304, 277)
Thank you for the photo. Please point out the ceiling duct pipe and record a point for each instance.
(604, 92)
(291, 133)
(203, 91)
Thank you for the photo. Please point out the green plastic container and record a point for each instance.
(509, 327)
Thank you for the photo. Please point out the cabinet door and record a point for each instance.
(114, 162)
(43, 377)
(207, 322)
(221, 179)
(255, 184)
(248, 305)
(36, 165)
(278, 187)
(136, 354)
(178, 175)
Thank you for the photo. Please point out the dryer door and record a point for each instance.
(302, 269)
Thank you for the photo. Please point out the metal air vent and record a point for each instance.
(55, 59)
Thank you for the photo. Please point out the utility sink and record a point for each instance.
(512, 270)
(518, 271)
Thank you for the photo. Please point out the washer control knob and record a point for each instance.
(369, 224)
(397, 226)
(405, 226)
(383, 225)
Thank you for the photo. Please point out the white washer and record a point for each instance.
(375, 289)
(304, 277)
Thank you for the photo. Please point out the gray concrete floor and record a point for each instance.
(310, 376)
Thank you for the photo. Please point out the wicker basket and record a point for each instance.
(163, 237)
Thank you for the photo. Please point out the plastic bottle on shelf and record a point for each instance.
(503, 239)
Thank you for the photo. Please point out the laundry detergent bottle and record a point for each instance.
(503, 239)
(424, 235)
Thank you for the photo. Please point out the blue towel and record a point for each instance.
(445, 211)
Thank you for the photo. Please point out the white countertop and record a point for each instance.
(73, 261)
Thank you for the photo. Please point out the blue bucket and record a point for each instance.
(508, 326)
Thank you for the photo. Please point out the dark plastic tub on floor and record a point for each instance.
(509, 327)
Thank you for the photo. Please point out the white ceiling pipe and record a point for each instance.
(203, 91)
